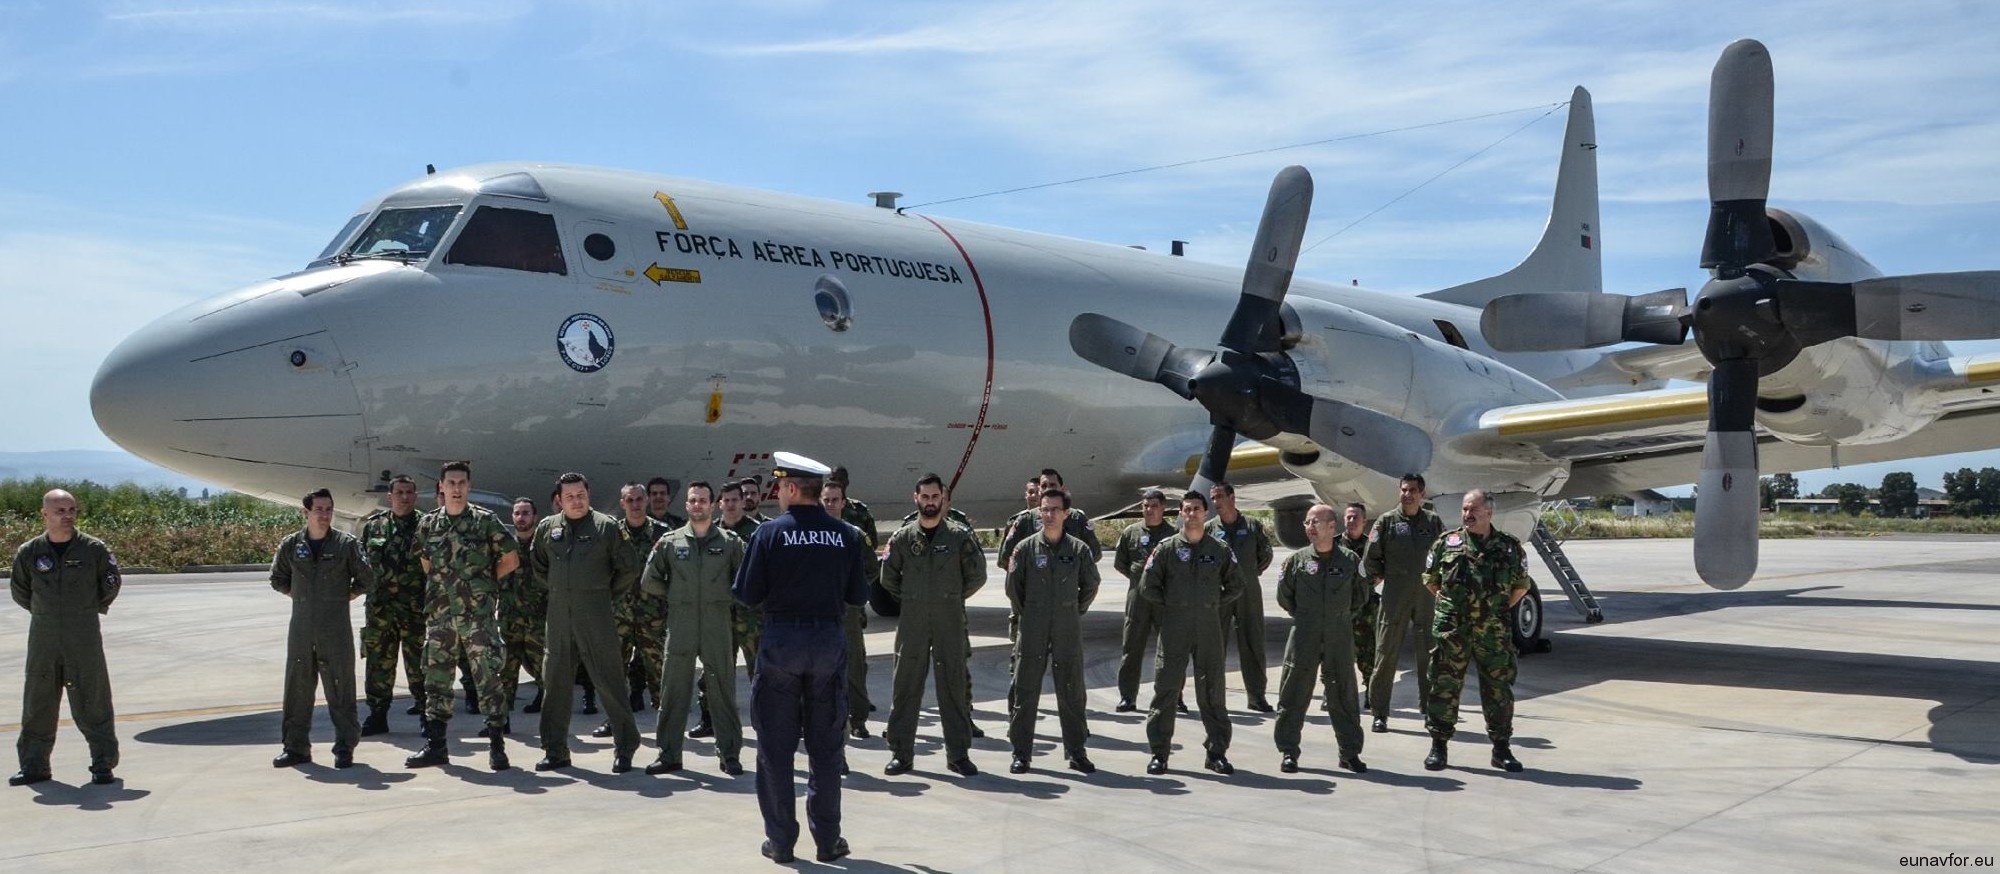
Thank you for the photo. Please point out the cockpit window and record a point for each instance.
(515, 239)
(347, 230)
(405, 234)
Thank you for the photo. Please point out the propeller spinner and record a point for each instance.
(1249, 386)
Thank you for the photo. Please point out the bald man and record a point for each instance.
(65, 579)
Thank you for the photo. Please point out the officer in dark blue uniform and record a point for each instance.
(802, 570)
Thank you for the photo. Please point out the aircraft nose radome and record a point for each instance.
(247, 391)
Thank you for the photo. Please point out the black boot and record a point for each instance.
(1503, 757)
(534, 706)
(433, 753)
(589, 701)
(471, 698)
(376, 723)
(1438, 758)
(637, 699)
(496, 756)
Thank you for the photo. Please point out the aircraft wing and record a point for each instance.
(1641, 364)
(1650, 439)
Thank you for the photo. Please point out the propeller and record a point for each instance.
(1249, 386)
(1752, 317)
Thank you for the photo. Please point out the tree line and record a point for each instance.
(1969, 493)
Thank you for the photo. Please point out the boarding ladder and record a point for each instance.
(1550, 547)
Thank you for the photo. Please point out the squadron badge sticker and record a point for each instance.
(585, 343)
(44, 563)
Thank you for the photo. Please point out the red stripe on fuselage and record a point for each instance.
(986, 312)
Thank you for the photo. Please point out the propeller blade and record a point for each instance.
(1551, 321)
(1739, 159)
(1122, 348)
(1725, 510)
(1384, 444)
(1214, 461)
(1255, 327)
(1928, 306)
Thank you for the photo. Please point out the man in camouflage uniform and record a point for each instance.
(1191, 576)
(833, 497)
(1142, 617)
(524, 616)
(1321, 587)
(321, 570)
(933, 565)
(1245, 615)
(1051, 584)
(65, 579)
(1398, 544)
(691, 570)
(1477, 573)
(583, 558)
(395, 613)
(1354, 537)
(642, 618)
(660, 502)
(467, 552)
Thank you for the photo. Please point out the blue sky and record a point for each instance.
(158, 151)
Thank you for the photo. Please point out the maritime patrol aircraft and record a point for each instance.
(538, 318)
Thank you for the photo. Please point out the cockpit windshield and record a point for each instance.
(325, 255)
(408, 234)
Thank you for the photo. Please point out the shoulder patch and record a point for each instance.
(1454, 540)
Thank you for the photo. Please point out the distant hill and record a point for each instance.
(109, 467)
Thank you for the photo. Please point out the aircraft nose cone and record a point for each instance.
(247, 391)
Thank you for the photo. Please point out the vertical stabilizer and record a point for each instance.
(1568, 257)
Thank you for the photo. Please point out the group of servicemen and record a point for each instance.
(634, 605)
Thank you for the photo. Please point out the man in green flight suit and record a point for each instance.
(524, 615)
(691, 570)
(321, 570)
(1142, 617)
(394, 616)
(1477, 573)
(584, 559)
(1192, 576)
(642, 618)
(933, 566)
(660, 502)
(467, 552)
(1398, 545)
(745, 622)
(833, 498)
(65, 579)
(1321, 587)
(1354, 536)
(1052, 580)
(1244, 617)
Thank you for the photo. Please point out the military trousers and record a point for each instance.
(855, 629)
(1488, 645)
(66, 653)
(524, 645)
(391, 628)
(1142, 627)
(1330, 662)
(1365, 621)
(1064, 654)
(717, 655)
(326, 664)
(1243, 619)
(1186, 638)
(800, 693)
(473, 639)
(642, 634)
(928, 645)
(1403, 611)
(592, 651)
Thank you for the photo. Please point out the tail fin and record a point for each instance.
(1567, 258)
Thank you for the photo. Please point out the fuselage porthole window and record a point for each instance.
(600, 247)
(836, 309)
(512, 239)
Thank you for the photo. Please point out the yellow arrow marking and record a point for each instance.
(671, 274)
(680, 224)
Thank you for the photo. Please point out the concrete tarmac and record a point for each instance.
(1838, 714)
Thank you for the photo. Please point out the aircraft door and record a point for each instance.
(605, 253)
